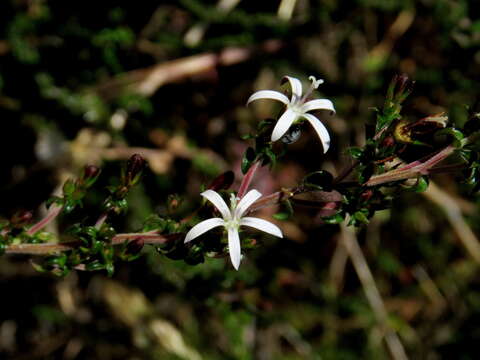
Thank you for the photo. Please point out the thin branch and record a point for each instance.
(349, 240)
(49, 248)
(101, 220)
(412, 170)
(347, 171)
(454, 215)
(52, 214)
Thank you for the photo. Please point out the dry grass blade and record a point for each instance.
(146, 81)
(453, 212)
(349, 240)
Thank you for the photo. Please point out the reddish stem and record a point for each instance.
(247, 179)
(100, 221)
(411, 170)
(53, 212)
(48, 248)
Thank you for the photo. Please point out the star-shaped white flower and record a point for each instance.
(232, 220)
(298, 108)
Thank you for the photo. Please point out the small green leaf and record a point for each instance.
(456, 134)
(69, 187)
(421, 185)
(355, 152)
(334, 219)
(281, 216)
(361, 217)
(269, 157)
(320, 180)
(247, 160)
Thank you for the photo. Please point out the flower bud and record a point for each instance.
(135, 166)
(389, 141)
(366, 195)
(399, 88)
(21, 218)
(91, 171)
(402, 82)
(90, 175)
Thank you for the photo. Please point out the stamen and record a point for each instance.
(315, 83)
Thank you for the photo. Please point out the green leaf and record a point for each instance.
(247, 160)
(69, 187)
(281, 216)
(361, 217)
(421, 185)
(320, 180)
(334, 219)
(355, 152)
(456, 134)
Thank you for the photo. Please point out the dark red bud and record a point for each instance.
(366, 195)
(91, 171)
(135, 165)
(388, 142)
(21, 218)
(402, 82)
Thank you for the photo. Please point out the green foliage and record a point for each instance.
(70, 67)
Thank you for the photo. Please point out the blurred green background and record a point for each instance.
(94, 82)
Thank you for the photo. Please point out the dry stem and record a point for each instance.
(454, 215)
(349, 240)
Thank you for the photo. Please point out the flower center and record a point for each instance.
(232, 224)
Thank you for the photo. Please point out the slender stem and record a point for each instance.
(101, 220)
(454, 215)
(273, 199)
(49, 248)
(52, 213)
(349, 241)
(347, 171)
(411, 170)
(247, 179)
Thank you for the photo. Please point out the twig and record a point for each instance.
(48, 248)
(101, 220)
(430, 289)
(454, 215)
(195, 34)
(285, 10)
(146, 81)
(337, 266)
(349, 240)
(413, 169)
(53, 212)
(347, 171)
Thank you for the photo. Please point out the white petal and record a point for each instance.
(268, 94)
(321, 131)
(234, 247)
(247, 200)
(296, 87)
(262, 225)
(283, 124)
(318, 104)
(203, 227)
(219, 203)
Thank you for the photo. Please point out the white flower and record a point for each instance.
(298, 108)
(232, 220)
